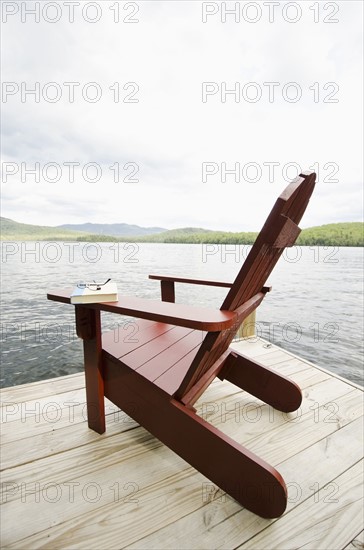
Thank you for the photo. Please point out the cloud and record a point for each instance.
(165, 139)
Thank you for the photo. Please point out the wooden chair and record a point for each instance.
(179, 350)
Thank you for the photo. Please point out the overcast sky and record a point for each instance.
(130, 121)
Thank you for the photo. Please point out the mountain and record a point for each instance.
(15, 231)
(113, 229)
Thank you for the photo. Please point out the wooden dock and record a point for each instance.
(64, 486)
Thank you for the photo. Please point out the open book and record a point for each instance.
(93, 293)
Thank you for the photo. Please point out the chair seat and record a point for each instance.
(159, 352)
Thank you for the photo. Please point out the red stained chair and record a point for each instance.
(179, 350)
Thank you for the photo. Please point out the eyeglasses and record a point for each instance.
(93, 285)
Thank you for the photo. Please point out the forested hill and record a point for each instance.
(336, 234)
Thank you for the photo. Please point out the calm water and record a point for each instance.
(314, 310)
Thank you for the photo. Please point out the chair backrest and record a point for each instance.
(279, 231)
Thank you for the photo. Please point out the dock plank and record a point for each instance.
(357, 543)
(43, 388)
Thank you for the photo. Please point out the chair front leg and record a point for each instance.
(88, 327)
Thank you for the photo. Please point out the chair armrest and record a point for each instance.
(190, 281)
(210, 320)
(167, 285)
(168, 291)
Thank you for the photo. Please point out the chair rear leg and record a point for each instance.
(269, 386)
(243, 475)
(88, 326)
(236, 470)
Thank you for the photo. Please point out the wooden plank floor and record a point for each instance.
(64, 486)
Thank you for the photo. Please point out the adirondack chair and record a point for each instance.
(179, 350)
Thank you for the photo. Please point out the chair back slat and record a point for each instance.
(279, 231)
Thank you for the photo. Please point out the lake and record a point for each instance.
(315, 309)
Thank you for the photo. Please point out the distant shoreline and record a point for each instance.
(337, 234)
(104, 240)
